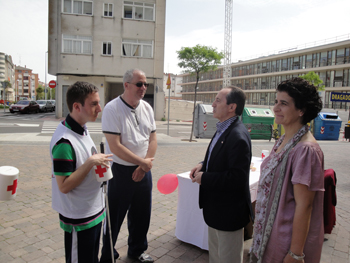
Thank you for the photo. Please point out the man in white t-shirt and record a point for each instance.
(129, 126)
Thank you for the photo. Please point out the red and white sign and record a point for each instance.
(52, 84)
(249, 129)
(322, 130)
(205, 125)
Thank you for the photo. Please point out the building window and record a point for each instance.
(107, 48)
(108, 10)
(77, 7)
(284, 65)
(137, 48)
(346, 57)
(296, 63)
(340, 56)
(338, 78)
(323, 60)
(139, 11)
(309, 61)
(315, 60)
(77, 44)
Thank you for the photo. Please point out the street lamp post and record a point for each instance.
(3, 93)
(45, 74)
(16, 90)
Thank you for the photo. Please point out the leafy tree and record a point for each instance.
(40, 92)
(8, 84)
(52, 93)
(314, 79)
(5, 85)
(196, 60)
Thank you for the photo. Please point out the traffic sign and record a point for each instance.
(52, 84)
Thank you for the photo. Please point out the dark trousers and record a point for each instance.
(82, 246)
(134, 198)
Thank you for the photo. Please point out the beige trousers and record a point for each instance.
(225, 246)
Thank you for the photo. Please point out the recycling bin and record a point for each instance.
(204, 122)
(347, 131)
(327, 126)
(259, 122)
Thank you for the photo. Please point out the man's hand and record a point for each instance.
(197, 178)
(101, 159)
(147, 164)
(138, 174)
(68, 183)
(194, 170)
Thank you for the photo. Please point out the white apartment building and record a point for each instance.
(7, 73)
(97, 41)
(26, 83)
(259, 77)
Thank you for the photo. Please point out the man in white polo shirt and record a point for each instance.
(129, 126)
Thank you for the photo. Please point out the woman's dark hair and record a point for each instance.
(305, 96)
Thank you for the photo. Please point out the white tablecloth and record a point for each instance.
(190, 225)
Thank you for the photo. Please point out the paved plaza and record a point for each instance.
(29, 228)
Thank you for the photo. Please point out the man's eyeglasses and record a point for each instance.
(139, 84)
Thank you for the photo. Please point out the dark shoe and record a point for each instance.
(145, 258)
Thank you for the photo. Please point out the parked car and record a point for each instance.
(53, 104)
(45, 105)
(25, 106)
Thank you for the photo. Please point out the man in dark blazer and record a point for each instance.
(223, 177)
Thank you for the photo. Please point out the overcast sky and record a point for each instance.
(258, 27)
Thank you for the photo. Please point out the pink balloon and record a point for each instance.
(167, 183)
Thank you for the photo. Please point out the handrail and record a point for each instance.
(294, 48)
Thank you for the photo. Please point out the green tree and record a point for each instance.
(314, 79)
(40, 92)
(4, 86)
(196, 60)
(8, 84)
(52, 93)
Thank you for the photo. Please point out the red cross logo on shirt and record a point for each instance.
(100, 171)
(12, 187)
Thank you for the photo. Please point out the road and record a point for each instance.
(29, 229)
(46, 123)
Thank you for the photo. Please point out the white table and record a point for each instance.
(190, 225)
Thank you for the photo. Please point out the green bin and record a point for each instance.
(259, 122)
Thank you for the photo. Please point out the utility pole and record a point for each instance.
(228, 43)
(45, 91)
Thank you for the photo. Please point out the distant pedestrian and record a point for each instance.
(76, 194)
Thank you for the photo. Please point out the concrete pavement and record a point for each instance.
(29, 228)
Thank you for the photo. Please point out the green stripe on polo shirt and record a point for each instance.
(83, 226)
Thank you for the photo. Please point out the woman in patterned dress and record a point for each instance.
(288, 223)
